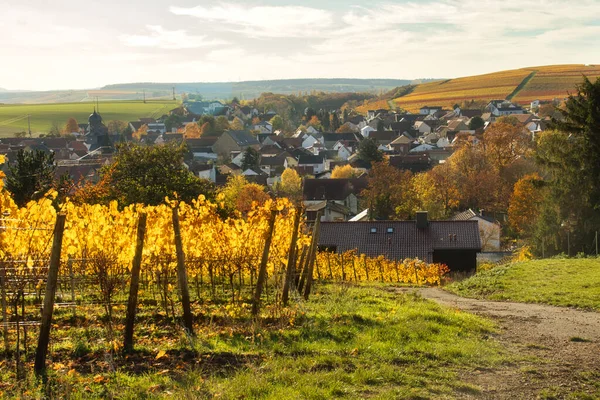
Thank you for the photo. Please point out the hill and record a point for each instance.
(211, 91)
(520, 85)
(13, 118)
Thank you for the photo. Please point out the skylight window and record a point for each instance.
(390, 230)
(373, 230)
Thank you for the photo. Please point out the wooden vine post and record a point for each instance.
(46, 324)
(291, 262)
(262, 272)
(135, 283)
(188, 322)
(312, 256)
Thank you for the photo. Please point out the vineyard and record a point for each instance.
(177, 266)
(549, 82)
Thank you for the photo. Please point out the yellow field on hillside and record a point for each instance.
(447, 93)
(555, 82)
(548, 82)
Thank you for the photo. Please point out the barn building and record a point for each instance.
(454, 243)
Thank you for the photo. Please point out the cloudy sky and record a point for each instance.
(70, 44)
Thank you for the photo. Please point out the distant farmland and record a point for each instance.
(524, 85)
(13, 117)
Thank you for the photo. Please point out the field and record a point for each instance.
(348, 341)
(13, 118)
(545, 83)
(559, 282)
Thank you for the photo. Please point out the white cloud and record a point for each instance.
(165, 39)
(263, 21)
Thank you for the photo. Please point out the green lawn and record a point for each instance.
(44, 115)
(561, 282)
(350, 342)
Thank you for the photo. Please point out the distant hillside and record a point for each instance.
(520, 85)
(253, 89)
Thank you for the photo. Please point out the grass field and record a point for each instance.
(350, 342)
(13, 118)
(559, 282)
(549, 82)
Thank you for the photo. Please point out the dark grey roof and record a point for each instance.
(310, 159)
(243, 138)
(333, 189)
(406, 241)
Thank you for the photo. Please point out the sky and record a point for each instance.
(76, 44)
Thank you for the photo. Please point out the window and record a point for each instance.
(390, 230)
(373, 230)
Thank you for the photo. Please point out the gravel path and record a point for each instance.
(559, 348)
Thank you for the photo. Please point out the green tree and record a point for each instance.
(173, 121)
(476, 123)
(368, 151)
(277, 123)
(148, 174)
(251, 159)
(30, 176)
(54, 130)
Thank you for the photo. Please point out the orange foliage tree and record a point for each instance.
(71, 126)
(143, 131)
(344, 172)
(192, 131)
(524, 204)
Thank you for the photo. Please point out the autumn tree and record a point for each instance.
(205, 129)
(250, 195)
(140, 133)
(445, 192)
(387, 195)
(116, 127)
(71, 126)
(290, 185)
(344, 172)
(344, 129)
(221, 124)
(524, 205)
(173, 121)
(237, 124)
(193, 131)
(505, 142)
(277, 123)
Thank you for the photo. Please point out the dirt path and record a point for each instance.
(559, 349)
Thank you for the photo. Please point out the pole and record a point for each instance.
(262, 272)
(312, 257)
(182, 275)
(46, 324)
(29, 124)
(135, 283)
(291, 259)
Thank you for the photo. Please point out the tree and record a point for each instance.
(141, 132)
(277, 123)
(344, 129)
(249, 195)
(71, 126)
(54, 130)
(193, 131)
(476, 123)
(581, 117)
(387, 195)
(344, 172)
(148, 174)
(237, 124)
(524, 205)
(173, 121)
(239, 195)
(504, 143)
(345, 115)
(445, 191)
(116, 127)
(369, 152)
(30, 176)
(334, 122)
(251, 159)
(291, 184)
(315, 123)
(221, 124)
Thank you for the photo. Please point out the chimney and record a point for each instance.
(422, 221)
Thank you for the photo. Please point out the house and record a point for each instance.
(340, 191)
(429, 110)
(263, 127)
(315, 162)
(453, 243)
(422, 148)
(200, 108)
(366, 131)
(503, 107)
(330, 211)
(202, 148)
(234, 141)
(423, 127)
(489, 229)
(414, 163)
(402, 144)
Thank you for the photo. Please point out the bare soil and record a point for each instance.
(558, 349)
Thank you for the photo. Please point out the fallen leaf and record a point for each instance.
(160, 354)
